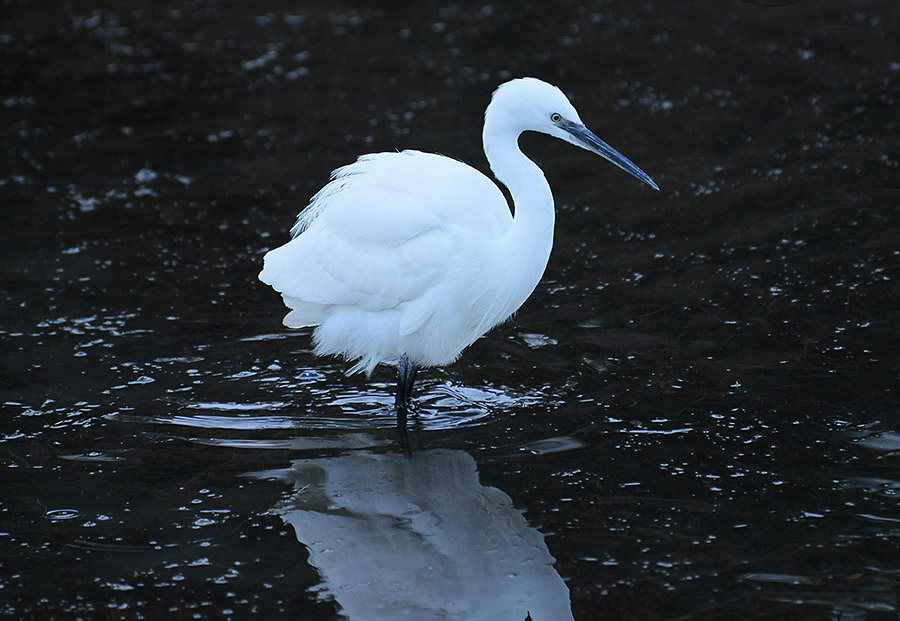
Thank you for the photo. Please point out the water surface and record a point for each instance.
(695, 414)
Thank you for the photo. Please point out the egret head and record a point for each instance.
(529, 104)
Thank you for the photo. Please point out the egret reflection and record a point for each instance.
(394, 538)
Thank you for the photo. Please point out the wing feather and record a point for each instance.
(383, 232)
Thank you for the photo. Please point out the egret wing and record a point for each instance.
(384, 230)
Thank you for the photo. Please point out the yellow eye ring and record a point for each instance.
(556, 117)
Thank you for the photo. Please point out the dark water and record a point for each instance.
(696, 413)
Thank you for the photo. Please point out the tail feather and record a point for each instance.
(303, 314)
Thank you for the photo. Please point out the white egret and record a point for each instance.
(407, 258)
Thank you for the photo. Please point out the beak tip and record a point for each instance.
(586, 139)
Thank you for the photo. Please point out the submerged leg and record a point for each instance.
(406, 376)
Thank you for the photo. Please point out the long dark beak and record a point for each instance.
(586, 139)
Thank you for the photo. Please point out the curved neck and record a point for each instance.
(525, 249)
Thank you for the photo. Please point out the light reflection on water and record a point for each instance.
(323, 402)
(878, 440)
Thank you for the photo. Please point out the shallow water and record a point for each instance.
(695, 414)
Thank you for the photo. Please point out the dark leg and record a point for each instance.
(410, 380)
(406, 375)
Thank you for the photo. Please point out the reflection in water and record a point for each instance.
(419, 539)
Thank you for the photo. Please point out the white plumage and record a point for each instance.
(418, 254)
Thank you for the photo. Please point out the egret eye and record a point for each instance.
(556, 117)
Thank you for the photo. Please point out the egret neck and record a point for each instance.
(524, 251)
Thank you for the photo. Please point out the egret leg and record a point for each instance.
(406, 376)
